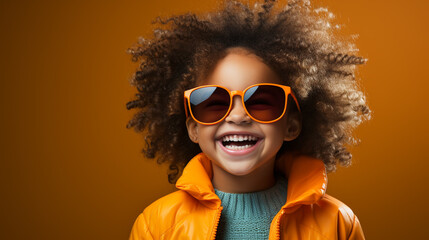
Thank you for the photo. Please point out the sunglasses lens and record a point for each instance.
(265, 102)
(209, 104)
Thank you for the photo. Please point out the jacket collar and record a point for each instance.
(306, 176)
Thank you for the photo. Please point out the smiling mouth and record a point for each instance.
(239, 142)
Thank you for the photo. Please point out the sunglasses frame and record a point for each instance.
(287, 90)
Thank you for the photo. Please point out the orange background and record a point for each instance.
(71, 170)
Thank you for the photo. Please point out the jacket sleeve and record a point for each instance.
(140, 229)
(349, 227)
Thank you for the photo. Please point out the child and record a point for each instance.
(270, 102)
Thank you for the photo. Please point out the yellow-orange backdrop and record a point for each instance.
(71, 170)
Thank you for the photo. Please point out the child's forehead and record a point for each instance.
(238, 70)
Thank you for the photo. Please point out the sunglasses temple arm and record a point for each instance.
(186, 107)
(296, 101)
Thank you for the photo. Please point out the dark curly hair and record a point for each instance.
(299, 43)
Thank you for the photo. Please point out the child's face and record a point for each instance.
(236, 72)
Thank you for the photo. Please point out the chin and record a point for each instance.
(239, 170)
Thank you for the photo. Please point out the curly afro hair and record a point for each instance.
(297, 41)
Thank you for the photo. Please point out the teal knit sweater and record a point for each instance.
(249, 215)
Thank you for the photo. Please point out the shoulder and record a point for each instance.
(332, 204)
(328, 218)
(178, 203)
(164, 214)
(171, 202)
(340, 215)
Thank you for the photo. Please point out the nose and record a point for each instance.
(237, 114)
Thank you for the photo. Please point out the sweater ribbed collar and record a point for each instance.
(260, 204)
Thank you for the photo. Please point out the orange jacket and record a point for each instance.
(193, 212)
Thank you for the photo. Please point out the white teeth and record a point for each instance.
(234, 147)
(239, 138)
(229, 139)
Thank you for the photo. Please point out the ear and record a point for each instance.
(192, 127)
(293, 126)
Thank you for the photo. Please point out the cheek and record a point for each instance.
(206, 134)
(206, 141)
(276, 131)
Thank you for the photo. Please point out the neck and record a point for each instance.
(259, 179)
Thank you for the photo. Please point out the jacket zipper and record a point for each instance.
(277, 232)
(218, 212)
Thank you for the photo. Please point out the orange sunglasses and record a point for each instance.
(264, 102)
